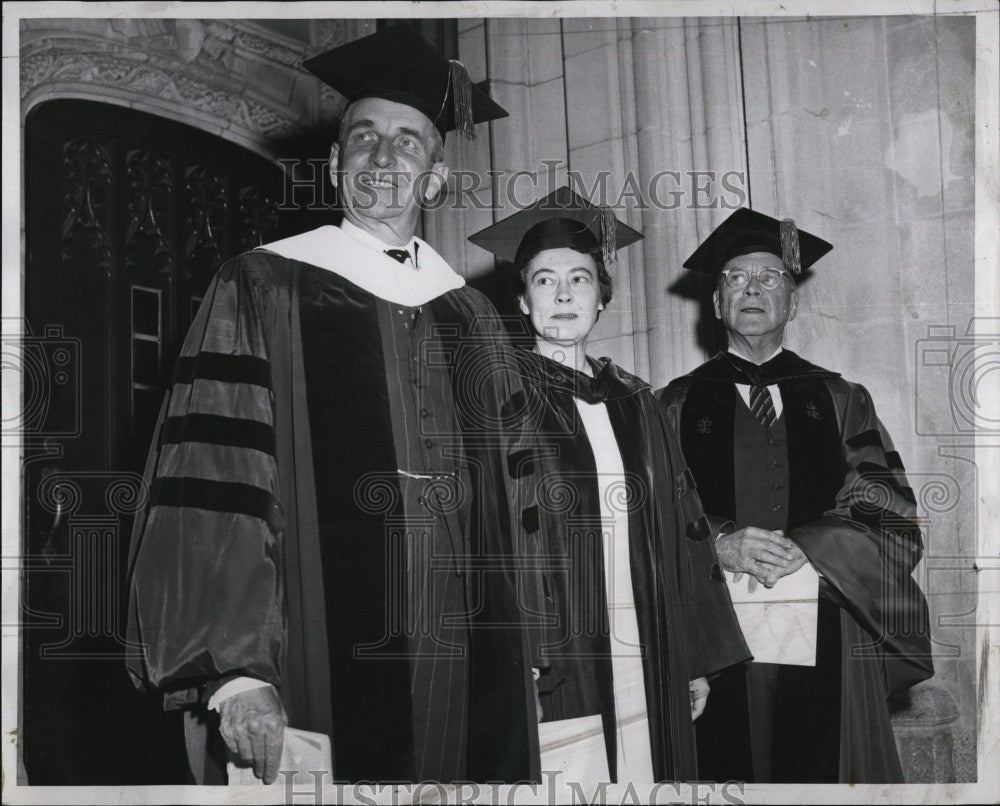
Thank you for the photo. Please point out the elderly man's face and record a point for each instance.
(387, 162)
(754, 311)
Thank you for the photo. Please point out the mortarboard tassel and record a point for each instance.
(609, 229)
(461, 91)
(790, 255)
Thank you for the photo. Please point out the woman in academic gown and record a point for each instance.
(636, 613)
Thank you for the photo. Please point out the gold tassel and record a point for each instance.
(461, 92)
(609, 231)
(790, 255)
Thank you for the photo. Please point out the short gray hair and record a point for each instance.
(437, 145)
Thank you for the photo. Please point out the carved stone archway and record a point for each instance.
(237, 79)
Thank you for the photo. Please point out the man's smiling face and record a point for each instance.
(754, 311)
(389, 162)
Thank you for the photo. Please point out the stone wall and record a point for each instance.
(862, 130)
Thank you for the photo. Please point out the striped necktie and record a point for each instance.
(762, 406)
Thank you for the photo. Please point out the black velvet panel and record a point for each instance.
(806, 743)
(223, 367)
(723, 730)
(706, 431)
(865, 439)
(816, 465)
(488, 405)
(216, 430)
(351, 437)
(218, 496)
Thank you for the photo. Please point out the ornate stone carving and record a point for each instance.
(259, 217)
(330, 33)
(264, 49)
(150, 199)
(136, 71)
(87, 200)
(190, 35)
(331, 104)
(206, 236)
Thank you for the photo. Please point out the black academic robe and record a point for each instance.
(226, 567)
(851, 511)
(687, 625)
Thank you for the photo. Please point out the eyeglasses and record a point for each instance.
(769, 279)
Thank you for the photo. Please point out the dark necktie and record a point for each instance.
(762, 406)
(398, 254)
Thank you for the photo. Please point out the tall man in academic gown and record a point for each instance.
(332, 456)
(797, 458)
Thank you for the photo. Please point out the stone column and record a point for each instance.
(862, 130)
(600, 121)
(527, 79)
(689, 114)
(923, 729)
(522, 60)
(466, 208)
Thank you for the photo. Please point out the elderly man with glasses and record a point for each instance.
(796, 460)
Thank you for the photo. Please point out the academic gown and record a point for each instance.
(851, 511)
(232, 560)
(687, 625)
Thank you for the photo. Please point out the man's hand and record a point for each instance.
(253, 727)
(536, 673)
(699, 696)
(760, 552)
(798, 560)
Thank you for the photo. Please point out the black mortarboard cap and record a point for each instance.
(560, 219)
(397, 64)
(747, 231)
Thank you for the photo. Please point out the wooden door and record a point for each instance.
(127, 217)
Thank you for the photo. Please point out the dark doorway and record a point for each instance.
(127, 217)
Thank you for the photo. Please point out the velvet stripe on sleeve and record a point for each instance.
(213, 493)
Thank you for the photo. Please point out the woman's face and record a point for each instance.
(562, 295)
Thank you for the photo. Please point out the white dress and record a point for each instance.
(635, 760)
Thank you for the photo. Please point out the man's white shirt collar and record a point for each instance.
(360, 258)
(744, 388)
(372, 242)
